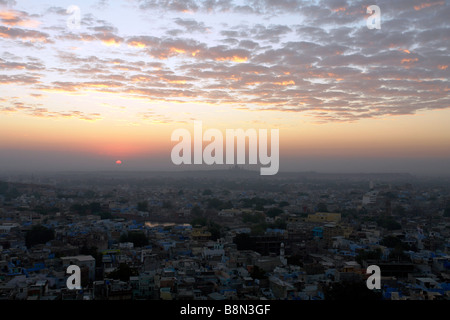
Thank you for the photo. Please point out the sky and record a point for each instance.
(104, 85)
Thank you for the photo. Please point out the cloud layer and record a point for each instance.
(315, 58)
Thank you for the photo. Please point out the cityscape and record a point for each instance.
(224, 157)
(224, 235)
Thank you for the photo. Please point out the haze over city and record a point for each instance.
(108, 95)
(234, 157)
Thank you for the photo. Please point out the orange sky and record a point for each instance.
(112, 90)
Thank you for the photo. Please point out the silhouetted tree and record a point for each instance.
(142, 206)
(273, 212)
(199, 221)
(207, 192)
(253, 217)
(447, 212)
(258, 273)
(196, 211)
(283, 204)
(122, 273)
(215, 230)
(243, 241)
(322, 207)
(167, 204)
(3, 187)
(138, 238)
(95, 207)
(38, 235)
(278, 224)
(388, 223)
(368, 255)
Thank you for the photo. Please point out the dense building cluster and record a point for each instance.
(216, 237)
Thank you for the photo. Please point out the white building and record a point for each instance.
(370, 198)
(6, 227)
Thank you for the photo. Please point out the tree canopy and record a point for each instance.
(38, 235)
(138, 238)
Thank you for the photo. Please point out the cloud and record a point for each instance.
(72, 114)
(315, 58)
(18, 18)
(153, 117)
(424, 5)
(65, 86)
(19, 79)
(31, 66)
(102, 4)
(190, 25)
(171, 5)
(36, 110)
(7, 3)
(25, 35)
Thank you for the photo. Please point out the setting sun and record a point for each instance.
(79, 90)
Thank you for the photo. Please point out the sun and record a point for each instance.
(119, 162)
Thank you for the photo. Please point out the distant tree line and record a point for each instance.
(447, 212)
(44, 210)
(244, 241)
(94, 208)
(8, 191)
(388, 223)
(257, 203)
(214, 228)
